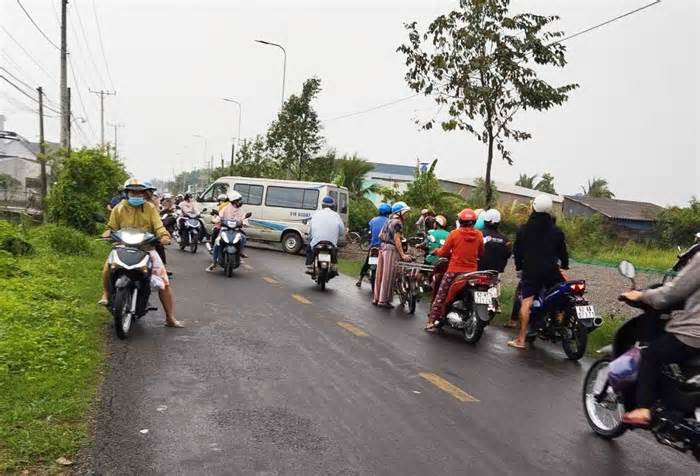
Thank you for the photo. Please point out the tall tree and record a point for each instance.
(350, 173)
(294, 138)
(546, 184)
(477, 61)
(527, 181)
(597, 187)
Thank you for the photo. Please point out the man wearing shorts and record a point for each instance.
(540, 254)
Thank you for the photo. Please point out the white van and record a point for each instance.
(279, 207)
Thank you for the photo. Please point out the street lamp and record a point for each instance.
(284, 68)
(240, 112)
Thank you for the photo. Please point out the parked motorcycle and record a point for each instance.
(192, 232)
(372, 262)
(471, 309)
(130, 269)
(324, 270)
(676, 414)
(230, 242)
(562, 313)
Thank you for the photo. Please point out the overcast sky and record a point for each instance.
(634, 120)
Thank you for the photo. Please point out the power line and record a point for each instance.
(16, 78)
(87, 45)
(25, 93)
(102, 47)
(374, 108)
(80, 96)
(37, 26)
(27, 53)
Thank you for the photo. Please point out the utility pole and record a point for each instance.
(65, 115)
(42, 153)
(116, 126)
(102, 95)
(68, 118)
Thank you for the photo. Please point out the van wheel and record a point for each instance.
(292, 242)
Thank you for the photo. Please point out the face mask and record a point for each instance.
(136, 201)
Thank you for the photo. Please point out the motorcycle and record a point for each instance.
(130, 268)
(561, 313)
(675, 418)
(169, 219)
(192, 232)
(230, 241)
(324, 270)
(471, 310)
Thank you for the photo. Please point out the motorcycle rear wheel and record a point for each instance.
(322, 278)
(473, 328)
(604, 421)
(228, 267)
(575, 347)
(194, 242)
(122, 312)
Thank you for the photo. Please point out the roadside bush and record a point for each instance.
(12, 241)
(362, 210)
(8, 265)
(61, 239)
(86, 181)
(678, 225)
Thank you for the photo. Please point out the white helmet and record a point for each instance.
(235, 196)
(222, 197)
(492, 216)
(542, 204)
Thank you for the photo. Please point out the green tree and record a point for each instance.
(294, 138)
(425, 191)
(87, 179)
(676, 226)
(546, 185)
(527, 181)
(350, 172)
(476, 60)
(597, 187)
(479, 195)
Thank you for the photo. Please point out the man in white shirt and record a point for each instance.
(325, 225)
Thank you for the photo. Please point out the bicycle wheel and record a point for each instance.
(354, 237)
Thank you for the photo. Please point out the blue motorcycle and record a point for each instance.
(562, 313)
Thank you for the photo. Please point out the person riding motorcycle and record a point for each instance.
(540, 255)
(230, 208)
(375, 227)
(681, 340)
(325, 225)
(434, 239)
(463, 247)
(424, 222)
(189, 207)
(138, 213)
(390, 252)
(497, 248)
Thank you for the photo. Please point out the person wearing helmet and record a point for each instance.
(463, 247)
(375, 227)
(188, 209)
(231, 208)
(324, 225)
(497, 247)
(391, 250)
(138, 213)
(480, 218)
(424, 222)
(434, 239)
(540, 254)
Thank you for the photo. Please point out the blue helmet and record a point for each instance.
(400, 207)
(328, 201)
(384, 209)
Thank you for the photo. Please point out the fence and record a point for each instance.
(20, 200)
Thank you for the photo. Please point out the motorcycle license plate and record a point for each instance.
(481, 297)
(373, 260)
(324, 258)
(585, 312)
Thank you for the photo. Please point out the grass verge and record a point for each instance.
(644, 257)
(51, 347)
(350, 266)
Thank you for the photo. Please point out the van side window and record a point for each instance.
(343, 203)
(334, 194)
(252, 194)
(213, 191)
(288, 197)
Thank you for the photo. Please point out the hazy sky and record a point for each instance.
(634, 120)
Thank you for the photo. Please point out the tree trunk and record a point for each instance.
(488, 192)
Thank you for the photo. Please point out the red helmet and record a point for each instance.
(467, 215)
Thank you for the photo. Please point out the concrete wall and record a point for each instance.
(504, 198)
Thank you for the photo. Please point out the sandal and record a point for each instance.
(386, 305)
(358, 284)
(635, 420)
(510, 324)
(103, 302)
(516, 344)
(176, 325)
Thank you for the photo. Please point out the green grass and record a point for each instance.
(644, 257)
(51, 352)
(351, 267)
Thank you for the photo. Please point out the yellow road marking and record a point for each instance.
(352, 329)
(300, 298)
(248, 267)
(446, 386)
(270, 280)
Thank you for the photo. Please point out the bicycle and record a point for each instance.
(360, 239)
(409, 284)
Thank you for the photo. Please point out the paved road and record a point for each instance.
(272, 376)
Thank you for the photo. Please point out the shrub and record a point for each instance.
(362, 210)
(678, 225)
(62, 240)
(12, 241)
(8, 265)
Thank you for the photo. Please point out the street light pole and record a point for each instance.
(240, 113)
(284, 67)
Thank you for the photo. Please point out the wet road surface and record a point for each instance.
(272, 376)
